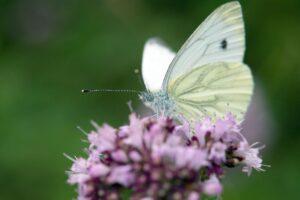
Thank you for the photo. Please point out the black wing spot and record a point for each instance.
(224, 44)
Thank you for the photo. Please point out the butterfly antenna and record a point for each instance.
(108, 90)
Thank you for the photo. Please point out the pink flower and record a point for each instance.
(206, 125)
(226, 128)
(103, 139)
(78, 173)
(135, 156)
(212, 186)
(232, 138)
(175, 140)
(231, 123)
(124, 131)
(183, 130)
(122, 175)
(98, 170)
(153, 136)
(191, 157)
(136, 125)
(85, 190)
(250, 157)
(221, 128)
(147, 198)
(217, 152)
(119, 156)
(155, 159)
(94, 156)
(194, 196)
(135, 138)
(202, 129)
(199, 160)
(163, 152)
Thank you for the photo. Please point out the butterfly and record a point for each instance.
(207, 77)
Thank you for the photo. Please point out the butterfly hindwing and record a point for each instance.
(213, 90)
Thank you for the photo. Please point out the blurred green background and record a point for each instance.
(51, 49)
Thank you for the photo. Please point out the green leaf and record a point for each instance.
(126, 193)
(209, 198)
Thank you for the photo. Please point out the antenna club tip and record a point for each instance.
(84, 91)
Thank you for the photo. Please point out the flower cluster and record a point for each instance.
(153, 158)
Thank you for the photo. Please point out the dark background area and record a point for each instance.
(50, 50)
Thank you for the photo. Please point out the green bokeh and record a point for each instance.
(51, 49)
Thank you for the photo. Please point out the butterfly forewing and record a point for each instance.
(220, 37)
(156, 60)
(213, 90)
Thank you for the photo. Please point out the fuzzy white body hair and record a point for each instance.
(159, 102)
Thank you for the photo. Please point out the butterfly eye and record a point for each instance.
(150, 97)
(146, 97)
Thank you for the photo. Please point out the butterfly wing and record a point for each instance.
(156, 60)
(220, 37)
(213, 90)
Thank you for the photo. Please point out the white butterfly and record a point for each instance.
(207, 77)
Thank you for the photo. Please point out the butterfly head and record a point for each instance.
(159, 102)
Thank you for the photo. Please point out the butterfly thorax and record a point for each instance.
(159, 102)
